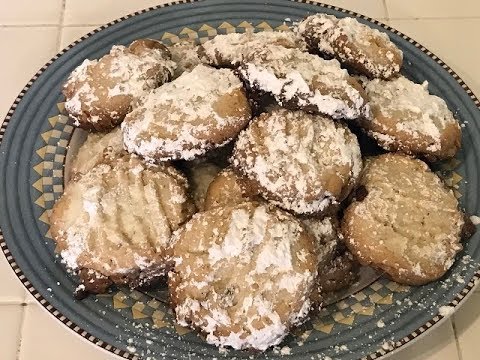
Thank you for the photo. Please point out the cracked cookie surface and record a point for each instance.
(99, 93)
(243, 275)
(116, 220)
(408, 224)
(301, 162)
(201, 110)
(359, 47)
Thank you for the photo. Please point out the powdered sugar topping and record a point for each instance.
(410, 212)
(174, 120)
(242, 309)
(416, 112)
(233, 48)
(291, 165)
(95, 221)
(360, 46)
(185, 55)
(299, 78)
(119, 73)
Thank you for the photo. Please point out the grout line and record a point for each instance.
(12, 302)
(386, 9)
(387, 17)
(79, 25)
(46, 25)
(60, 26)
(22, 326)
(437, 18)
(27, 25)
(457, 343)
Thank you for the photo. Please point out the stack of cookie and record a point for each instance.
(235, 175)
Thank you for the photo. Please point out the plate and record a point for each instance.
(374, 321)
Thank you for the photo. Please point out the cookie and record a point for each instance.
(99, 93)
(299, 80)
(339, 274)
(326, 234)
(357, 46)
(407, 118)
(185, 55)
(243, 275)
(116, 220)
(95, 149)
(201, 110)
(337, 268)
(301, 162)
(200, 177)
(230, 50)
(408, 224)
(228, 189)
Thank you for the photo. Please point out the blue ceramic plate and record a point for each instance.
(374, 321)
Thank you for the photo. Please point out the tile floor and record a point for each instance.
(33, 31)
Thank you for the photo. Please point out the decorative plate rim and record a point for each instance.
(381, 353)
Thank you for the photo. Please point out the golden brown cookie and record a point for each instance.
(357, 46)
(407, 118)
(408, 224)
(337, 268)
(243, 275)
(116, 220)
(229, 50)
(185, 55)
(99, 93)
(302, 162)
(298, 80)
(95, 149)
(201, 110)
(229, 188)
(326, 234)
(339, 274)
(200, 176)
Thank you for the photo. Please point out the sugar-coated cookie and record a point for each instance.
(408, 224)
(243, 275)
(99, 93)
(302, 162)
(231, 49)
(116, 220)
(407, 118)
(185, 55)
(337, 267)
(229, 188)
(200, 110)
(299, 80)
(357, 46)
(200, 176)
(95, 148)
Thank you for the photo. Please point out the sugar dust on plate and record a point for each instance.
(445, 310)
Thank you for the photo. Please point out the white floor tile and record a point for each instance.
(432, 8)
(453, 40)
(467, 326)
(79, 13)
(372, 8)
(28, 50)
(102, 11)
(10, 325)
(439, 344)
(45, 337)
(29, 298)
(12, 290)
(72, 33)
(30, 12)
